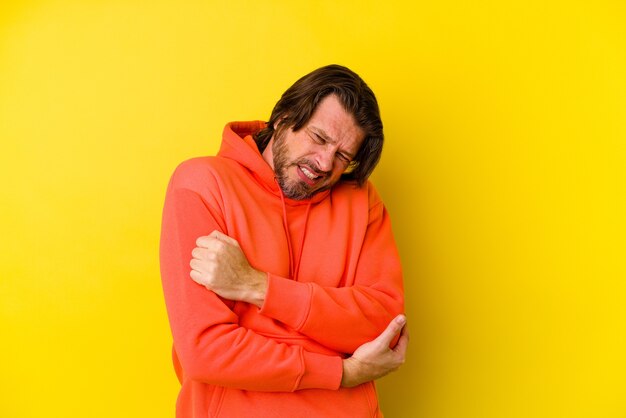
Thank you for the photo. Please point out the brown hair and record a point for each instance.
(298, 103)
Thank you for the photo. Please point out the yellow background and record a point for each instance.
(504, 171)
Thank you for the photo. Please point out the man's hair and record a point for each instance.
(298, 103)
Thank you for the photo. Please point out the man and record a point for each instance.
(295, 295)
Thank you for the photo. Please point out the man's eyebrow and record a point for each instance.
(325, 137)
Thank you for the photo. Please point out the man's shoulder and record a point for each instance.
(197, 172)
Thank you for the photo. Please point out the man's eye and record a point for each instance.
(318, 139)
(344, 159)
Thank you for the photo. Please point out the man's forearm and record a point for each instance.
(359, 311)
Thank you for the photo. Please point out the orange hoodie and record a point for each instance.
(334, 283)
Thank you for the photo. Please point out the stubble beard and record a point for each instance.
(292, 189)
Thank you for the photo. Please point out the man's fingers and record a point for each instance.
(228, 240)
(394, 327)
(194, 263)
(403, 341)
(203, 241)
(224, 238)
(198, 252)
(207, 241)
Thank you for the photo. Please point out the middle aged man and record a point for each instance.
(300, 274)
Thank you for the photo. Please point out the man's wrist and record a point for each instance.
(350, 372)
(258, 288)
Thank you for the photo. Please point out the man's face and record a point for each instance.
(313, 158)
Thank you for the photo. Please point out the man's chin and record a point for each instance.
(297, 195)
(298, 191)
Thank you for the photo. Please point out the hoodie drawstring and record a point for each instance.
(306, 221)
(294, 270)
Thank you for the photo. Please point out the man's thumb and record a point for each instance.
(394, 327)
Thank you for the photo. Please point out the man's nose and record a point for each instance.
(325, 159)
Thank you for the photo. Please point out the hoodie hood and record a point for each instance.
(239, 145)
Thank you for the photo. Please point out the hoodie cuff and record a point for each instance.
(287, 301)
(320, 372)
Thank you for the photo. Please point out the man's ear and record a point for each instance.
(279, 121)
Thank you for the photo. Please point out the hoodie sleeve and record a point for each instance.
(210, 344)
(344, 318)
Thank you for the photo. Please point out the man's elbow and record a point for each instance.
(199, 355)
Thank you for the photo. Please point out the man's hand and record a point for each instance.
(219, 264)
(375, 359)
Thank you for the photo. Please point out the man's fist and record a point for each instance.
(220, 265)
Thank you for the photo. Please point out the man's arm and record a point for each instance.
(360, 312)
(208, 340)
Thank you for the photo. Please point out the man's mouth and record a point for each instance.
(307, 175)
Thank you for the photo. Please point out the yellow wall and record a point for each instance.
(504, 171)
